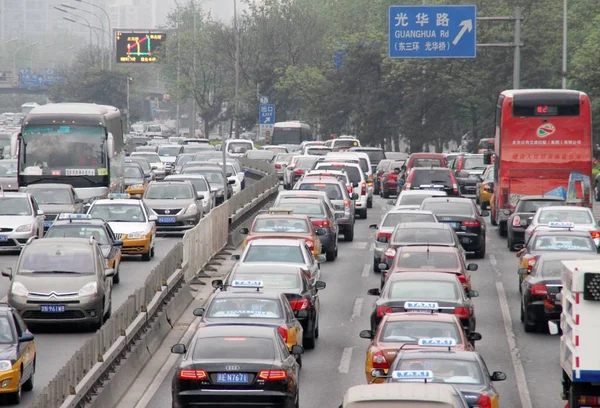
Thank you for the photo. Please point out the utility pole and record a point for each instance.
(237, 71)
(193, 107)
(128, 114)
(564, 46)
(178, 67)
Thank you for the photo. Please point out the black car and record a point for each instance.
(467, 169)
(540, 286)
(524, 210)
(236, 366)
(466, 370)
(464, 217)
(289, 279)
(434, 178)
(443, 289)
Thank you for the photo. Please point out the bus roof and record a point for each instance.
(546, 92)
(72, 108)
(292, 124)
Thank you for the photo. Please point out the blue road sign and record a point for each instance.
(266, 114)
(432, 32)
(30, 80)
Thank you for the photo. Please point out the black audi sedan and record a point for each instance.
(525, 209)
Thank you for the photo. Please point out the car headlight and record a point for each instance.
(18, 289)
(5, 365)
(89, 289)
(137, 186)
(192, 209)
(24, 228)
(137, 235)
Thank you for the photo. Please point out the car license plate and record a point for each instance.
(3, 238)
(454, 225)
(48, 224)
(232, 378)
(52, 308)
(167, 220)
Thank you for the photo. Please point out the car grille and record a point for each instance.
(65, 294)
(46, 302)
(6, 229)
(9, 243)
(119, 237)
(171, 211)
(66, 315)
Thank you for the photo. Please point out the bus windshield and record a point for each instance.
(286, 136)
(69, 150)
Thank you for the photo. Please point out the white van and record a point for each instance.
(237, 147)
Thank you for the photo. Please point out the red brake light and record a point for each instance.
(346, 203)
(299, 172)
(539, 290)
(379, 360)
(531, 263)
(300, 304)
(311, 244)
(454, 185)
(321, 223)
(363, 189)
(390, 253)
(595, 234)
(272, 375)
(382, 310)
(462, 312)
(277, 165)
(516, 221)
(386, 235)
(471, 224)
(192, 374)
(282, 330)
(462, 279)
(460, 164)
(484, 401)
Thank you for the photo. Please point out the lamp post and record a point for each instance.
(72, 47)
(31, 54)
(128, 115)
(237, 71)
(178, 66)
(74, 21)
(15, 55)
(109, 30)
(92, 28)
(564, 46)
(99, 19)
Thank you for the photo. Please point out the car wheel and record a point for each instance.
(369, 204)
(152, 249)
(480, 253)
(147, 255)
(28, 385)
(116, 277)
(14, 398)
(511, 243)
(330, 255)
(309, 342)
(493, 219)
(96, 326)
(349, 234)
(363, 214)
(529, 327)
(385, 194)
(502, 227)
(376, 266)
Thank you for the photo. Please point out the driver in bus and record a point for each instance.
(88, 158)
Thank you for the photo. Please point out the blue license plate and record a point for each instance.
(48, 224)
(232, 378)
(3, 238)
(454, 225)
(52, 308)
(167, 220)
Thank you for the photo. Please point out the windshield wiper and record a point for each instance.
(69, 272)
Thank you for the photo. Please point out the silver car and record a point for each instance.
(175, 203)
(20, 219)
(55, 199)
(565, 217)
(8, 175)
(202, 187)
(158, 167)
(60, 280)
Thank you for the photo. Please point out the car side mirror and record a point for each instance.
(217, 284)
(200, 196)
(178, 349)
(199, 311)
(485, 213)
(235, 257)
(472, 293)
(498, 376)
(354, 196)
(244, 231)
(320, 285)
(297, 350)
(118, 243)
(40, 212)
(523, 271)
(26, 337)
(153, 218)
(474, 336)
(366, 334)
(231, 182)
(321, 258)
(108, 272)
(472, 267)
(383, 266)
(321, 231)
(7, 272)
(377, 372)
(373, 226)
(374, 292)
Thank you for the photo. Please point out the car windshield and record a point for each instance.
(445, 370)
(118, 212)
(444, 207)
(144, 163)
(423, 236)
(214, 177)
(131, 172)
(430, 177)
(334, 192)
(183, 159)
(427, 260)
(166, 150)
(304, 208)
(283, 158)
(78, 231)
(375, 156)
(8, 168)
(239, 147)
(563, 243)
(274, 253)
(352, 172)
(305, 162)
(531, 206)
(199, 183)
(426, 162)
(473, 163)
(234, 348)
(574, 216)
(196, 148)
(52, 258)
(52, 196)
(179, 191)
(272, 280)
(146, 149)
(154, 129)
(280, 225)
(424, 290)
(248, 307)
(151, 157)
(14, 206)
(414, 330)
(393, 219)
(6, 333)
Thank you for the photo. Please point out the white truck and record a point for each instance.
(580, 324)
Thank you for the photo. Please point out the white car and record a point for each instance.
(564, 216)
(158, 167)
(202, 187)
(20, 220)
(233, 175)
(241, 174)
(412, 199)
(237, 147)
(362, 159)
(358, 180)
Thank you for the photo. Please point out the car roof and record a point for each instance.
(252, 292)
(59, 241)
(283, 215)
(429, 276)
(429, 169)
(427, 155)
(14, 194)
(407, 211)
(427, 248)
(541, 197)
(276, 242)
(313, 178)
(211, 168)
(126, 201)
(267, 267)
(450, 355)
(424, 192)
(301, 193)
(564, 207)
(235, 331)
(449, 199)
(184, 177)
(412, 391)
(436, 317)
(53, 186)
(567, 256)
(421, 225)
(93, 221)
(543, 230)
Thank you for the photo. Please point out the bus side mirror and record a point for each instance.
(487, 158)
(110, 145)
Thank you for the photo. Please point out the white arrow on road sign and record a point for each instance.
(467, 25)
(267, 119)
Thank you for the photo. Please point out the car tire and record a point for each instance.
(510, 242)
(529, 328)
(492, 219)
(96, 326)
(116, 276)
(480, 253)
(146, 257)
(385, 194)
(502, 229)
(376, 266)
(309, 342)
(363, 214)
(14, 398)
(299, 361)
(152, 250)
(28, 385)
(349, 234)
(369, 204)
(330, 256)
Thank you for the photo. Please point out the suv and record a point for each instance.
(176, 203)
(434, 178)
(343, 203)
(467, 170)
(358, 180)
(362, 159)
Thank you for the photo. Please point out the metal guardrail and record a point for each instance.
(72, 383)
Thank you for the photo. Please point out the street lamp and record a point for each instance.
(564, 46)
(109, 29)
(99, 19)
(72, 47)
(31, 54)
(128, 115)
(15, 56)
(76, 15)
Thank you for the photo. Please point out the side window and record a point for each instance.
(288, 308)
(20, 329)
(34, 205)
(308, 254)
(283, 349)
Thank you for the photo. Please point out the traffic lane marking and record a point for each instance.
(357, 309)
(366, 271)
(344, 366)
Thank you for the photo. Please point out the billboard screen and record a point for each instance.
(138, 46)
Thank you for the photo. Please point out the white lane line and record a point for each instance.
(494, 263)
(344, 366)
(372, 247)
(521, 379)
(4, 299)
(366, 271)
(357, 309)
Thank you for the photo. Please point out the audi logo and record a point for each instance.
(232, 368)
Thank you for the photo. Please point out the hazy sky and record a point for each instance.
(221, 9)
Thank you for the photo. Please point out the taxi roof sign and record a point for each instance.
(412, 375)
(280, 210)
(437, 342)
(67, 216)
(561, 224)
(247, 284)
(117, 196)
(429, 306)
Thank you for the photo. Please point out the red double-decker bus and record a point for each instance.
(543, 146)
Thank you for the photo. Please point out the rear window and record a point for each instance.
(531, 206)
(280, 225)
(272, 280)
(317, 152)
(239, 147)
(551, 269)
(375, 156)
(453, 371)
(245, 307)
(574, 216)
(304, 208)
(430, 177)
(393, 219)
(427, 260)
(364, 165)
(474, 162)
(444, 207)
(429, 162)
(412, 199)
(423, 236)
(334, 192)
(345, 143)
(274, 253)
(234, 348)
(414, 330)
(424, 290)
(305, 163)
(563, 243)
(353, 172)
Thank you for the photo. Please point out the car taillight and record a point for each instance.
(454, 185)
(460, 164)
(588, 400)
(321, 223)
(192, 374)
(595, 234)
(277, 165)
(516, 221)
(310, 244)
(298, 172)
(471, 224)
(484, 401)
(462, 312)
(383, 310)
(539, 290)
(272, 375)
(462, 279)
(350, 189)
(363, 190)
(346, 203)
(531, 263)
(379, 360)
(282, 330)
(390, 253)
(300, 304)
(386, 235)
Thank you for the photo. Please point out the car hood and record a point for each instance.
(54, 282)
(407, 207)
(57, 208)
(133, 181)
(12, 221)
(183, 203)
(127, 227)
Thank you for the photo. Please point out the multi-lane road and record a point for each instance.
(529, 360)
